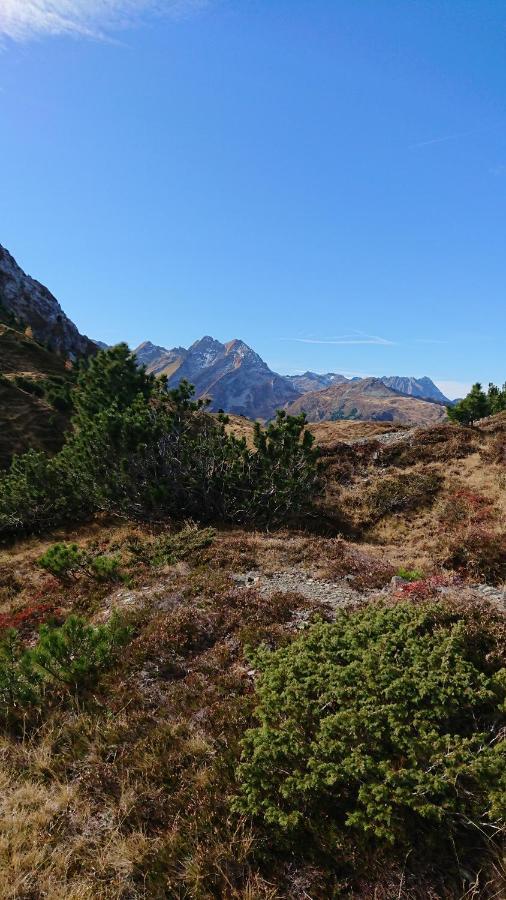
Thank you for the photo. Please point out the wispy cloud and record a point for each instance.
(355, 337)
(22, 20)
(440, 140)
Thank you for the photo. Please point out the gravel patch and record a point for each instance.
(389, 437)
(336, 594)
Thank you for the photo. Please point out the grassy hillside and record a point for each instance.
(126, 790)
(28, 420)
(20, 354)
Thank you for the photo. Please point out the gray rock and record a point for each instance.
(29, 303)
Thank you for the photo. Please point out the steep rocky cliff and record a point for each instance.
(25, 303)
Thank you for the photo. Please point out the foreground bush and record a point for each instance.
(39, 492)
(139, 450)
(386, 725)
(67, 561)
(63, 560)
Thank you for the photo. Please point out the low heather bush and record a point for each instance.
(479, 553)
(403, 492)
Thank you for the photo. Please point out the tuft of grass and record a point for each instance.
(410, 574)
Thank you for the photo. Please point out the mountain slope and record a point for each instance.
(235, 377)
(367, 399)
(26, 419)
(25, 302)
(159, 360)
(423, 388)
(27, 422)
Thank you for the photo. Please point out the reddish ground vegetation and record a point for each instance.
(29, 617)
(479, 553)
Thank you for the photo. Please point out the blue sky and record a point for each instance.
(325, 179)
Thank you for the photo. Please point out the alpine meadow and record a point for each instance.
(252, 588)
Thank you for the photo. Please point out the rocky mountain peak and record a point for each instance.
(423, 388)
(25, 302)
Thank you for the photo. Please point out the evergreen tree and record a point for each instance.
(496, 398)
(473, 407)
(110, 378)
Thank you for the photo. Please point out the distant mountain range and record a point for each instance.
(37, 336)
(238, 381)
(367, 399)
(312, 381)
(423, 388)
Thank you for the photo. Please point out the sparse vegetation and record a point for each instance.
(479, 553)
(409, 574)
(138, 638)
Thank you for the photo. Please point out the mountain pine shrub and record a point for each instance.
(105, 568)
(75, 652)
(387, 725)
(71, 656)
(140, 450)
(63, 560)
(39, 492)
(67, 561)
(19, 682)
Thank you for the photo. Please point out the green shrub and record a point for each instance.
(66, 561)
(386, 724)
(73, 653)
(39, 492)
(410, 574)
(63, 560)
(145, 452)
(170, 548)
(19, 683)
(105, 568)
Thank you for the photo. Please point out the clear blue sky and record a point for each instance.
(325, 179)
